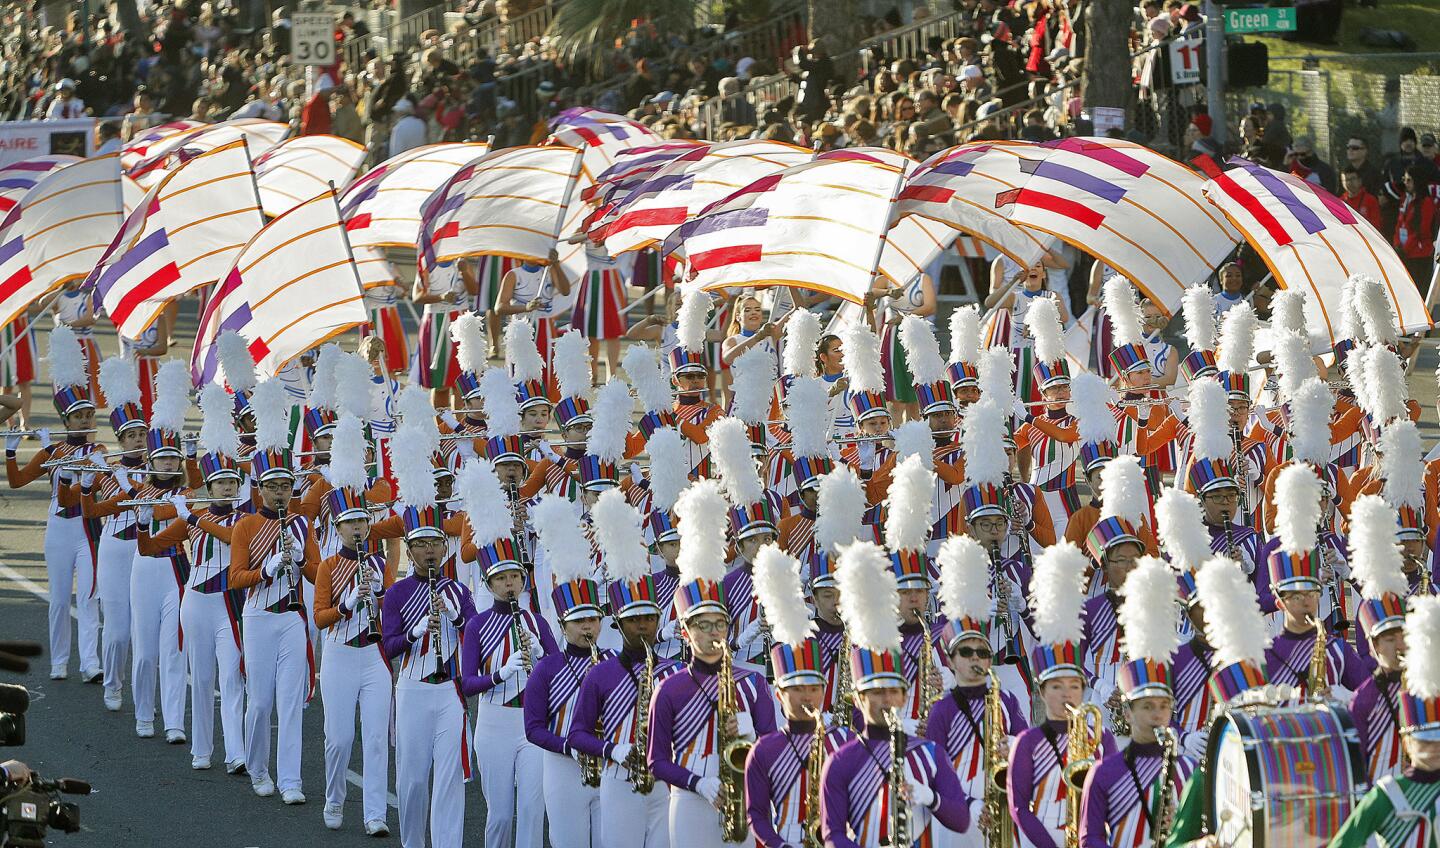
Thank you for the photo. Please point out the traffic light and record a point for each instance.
(1247, 65)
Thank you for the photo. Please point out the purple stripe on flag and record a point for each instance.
(237, 319)
(1086, 182)
(42, 165)
(18, 182)
(143, 250)
(1272, 183)
(953, 167)
(1334, 205)
(1117, 159)
(668, 182)
(753, 217)
(358, 199)
(9, 249)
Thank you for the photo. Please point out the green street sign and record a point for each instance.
(1260, 20)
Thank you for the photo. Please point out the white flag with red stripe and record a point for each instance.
(634, 166)
(382, 207)
(57, 231)
(17, 178)
(292, 287)
(297, 169)
(171, 151)
(1313, 241)
(137, 148)
(184, 235)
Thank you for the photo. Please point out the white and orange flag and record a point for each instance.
(172, 150)
(297, 169)
(382, 207)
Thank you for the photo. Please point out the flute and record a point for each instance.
(110, 469)
(890, 435)
(139, 502)
(8, 433)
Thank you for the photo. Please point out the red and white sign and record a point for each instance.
(28, 139)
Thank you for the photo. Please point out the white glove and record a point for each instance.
(145, 515)
(182, 509)
(12, 443)
(122, 479)
(620, 752)
(271, 568)
(452, 608)
(450, 420)
(65, 477)
(347, 603)
(465, 449)
(548, 451)
(43, 434)
(669, 630)
(513, 667)
(87, 479)
(708, 788)
(920, 793)
(744, 725)
(748, 637)
(191, 446)
(418, 631)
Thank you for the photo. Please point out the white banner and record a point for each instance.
(27, 139)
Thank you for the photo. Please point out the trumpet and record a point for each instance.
(733, 753)
(142, 502)
(590, 767)
(1086, 731)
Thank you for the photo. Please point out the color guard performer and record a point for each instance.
(907, 525)
(667, 478)
(838, 522)
(1377, 564)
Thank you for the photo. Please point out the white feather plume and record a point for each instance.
(1090, 402)
(1287, 311)
(869, 597)
(802, 335)
(839, 509)
(907, 506)
(691, 320)
(1349, 319)
(66, 359)
(807, 410)
(172, 396)
(272, 415)
(1148, 611)
(752, 385)
(1042, 321)
(347, 455)
(642, 366)
(730, 450)
(1354, 368)
(562, 537)
(618, 535)
(1237, 339)
(703, 520)
(1297, 507)
(411, 464)
(471, 347)
(611, 421)
(120, 381)
(1122, 489)
(777, 587)
(322, 382)
(1402, 463)
(922, 351)
(1234, 625)
(1422, 647)
(502, 409)
(1124, 312)
(237, 366)
(1198, 306)
(521, 354)
(1057, 593)
(913, 439)
(965, 333)
(570, 363)
(417, 414)
(860, 354)
(217, 421)
(982, 434)
(484, 500)
(1375, 559)
(354, 386)
(996, 371)
(1310, 409)
(1182, 528)
(964, 579)
(669, 467)
(1373, 309)
(1385, 374)
(1293, 362)
(1209, 420)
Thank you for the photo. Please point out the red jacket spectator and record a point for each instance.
(315, 118)
(1415, 227)
(1366, 205)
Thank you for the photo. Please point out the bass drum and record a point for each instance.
(1282, 776)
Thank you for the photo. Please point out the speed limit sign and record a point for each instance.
(312, 38)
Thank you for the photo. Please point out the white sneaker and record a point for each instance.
(292, 796)
(375, 827)
(264, 787)
(175, 737)
(59, 673)
(113, 700)
(235, 767)
(94, 675)
(334, 816)
(200, 763)
(144, 729)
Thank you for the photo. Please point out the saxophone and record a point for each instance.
(1165, 799)
(1001, 832)
(1317, 681)
(898, 813)
(842, 711)
(814, 764)
(521, 637)
(637, 767)
(924, 665)
(733, 753)
(1083, 747)
(590, 767)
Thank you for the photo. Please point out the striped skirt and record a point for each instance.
(17, 362)
(649, 269)
(435, 364)
(91, 352)
(489, 273)
(385, 323)
(597, 312)
(899, 384)
(149, 366)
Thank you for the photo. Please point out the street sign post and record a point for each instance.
(1280, 19)
(312, 38)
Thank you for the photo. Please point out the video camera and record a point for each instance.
(29, 809)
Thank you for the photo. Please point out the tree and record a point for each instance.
(836, 21)
(1107, 81)
(587, 29)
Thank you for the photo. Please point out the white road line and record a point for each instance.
(43, 594)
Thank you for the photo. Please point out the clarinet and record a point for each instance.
(1010, 652)
(364, 577)
(293, 602)
(436, 604)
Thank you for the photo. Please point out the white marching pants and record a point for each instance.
(70, 572)
(115, 562)
(429, 772)
(694, 823)
(632, 820)
(155, 641)
(354, 677)
(572, 808)
(211, 652)
(511, 776)
(277, 676)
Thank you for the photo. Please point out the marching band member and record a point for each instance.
(69, 557)
(689, 371)
(1129, 359)
(440, 294)
(212, 635)
(526, 364)
(1210, 476)
(271, 552)
(1400, 810)
(752, 526)
(653, 387)
(839, 521)
(423, 618)
(797, 363)
(611, 711)
(349, 591)
(504, 450)
(963, 368)
(237, 369)
(807, 411)
(959, 724)
(907, 525)
(1050, 457)
(1378, 571)
(572, 804)
(1030, 526)
(782, 791)
(669, 465)
(557, 473)
(1091, 410)
(502, 645)
(1115, 544)
(1036, 790)
(691, 728)
(317, 421)
(860, 352)
(468, 333)
(1296, 583)
(1130, 796)
(1186, 541)
(1305, 439)
(859, 788)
